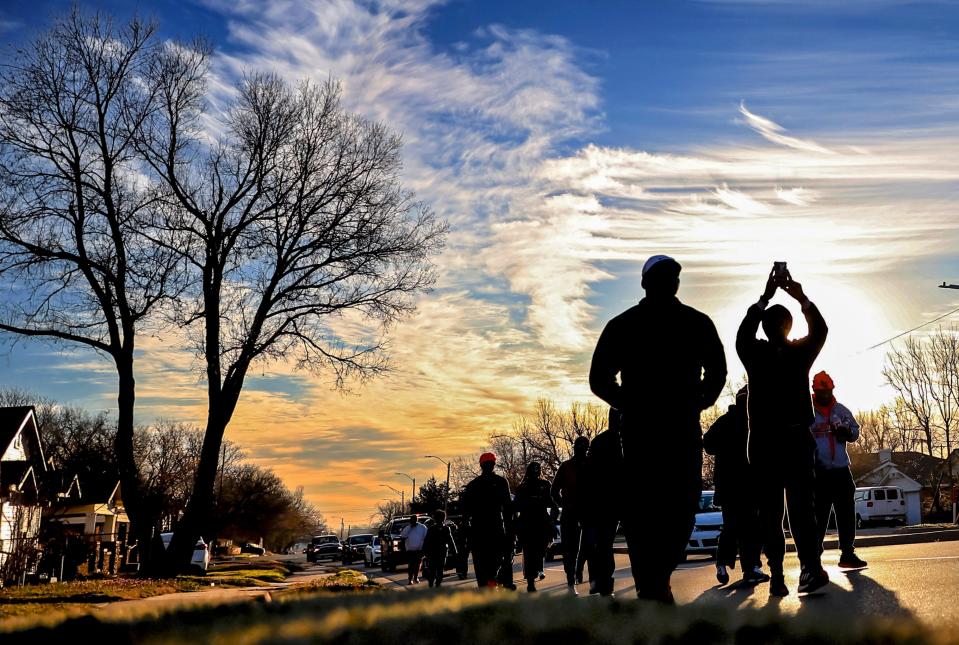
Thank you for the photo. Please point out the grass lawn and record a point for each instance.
(502, 618)
(85, 596)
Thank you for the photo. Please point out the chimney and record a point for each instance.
(885, 455)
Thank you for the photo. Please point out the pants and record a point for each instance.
(415, 559)
(835, 489)
(435, 565)
(534, 556)
(598, 538)
(487, 558)
(462, 558)
(574, 559)
(741, 528)
(665, 484)
(791, 468)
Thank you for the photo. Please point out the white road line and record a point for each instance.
(933, 557)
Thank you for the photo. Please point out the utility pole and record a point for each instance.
(446, 500)
(412, 479)
(954, 497)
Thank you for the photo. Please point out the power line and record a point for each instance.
(909, 331)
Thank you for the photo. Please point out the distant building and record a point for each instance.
(21, 465)
(918, 475)
(93, 515)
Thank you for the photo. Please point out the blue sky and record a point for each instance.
(566, 142)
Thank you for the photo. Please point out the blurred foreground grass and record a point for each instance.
(479, 617)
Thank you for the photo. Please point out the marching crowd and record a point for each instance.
(659, 365)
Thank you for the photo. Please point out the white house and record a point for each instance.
(21, 465)
(888, 473)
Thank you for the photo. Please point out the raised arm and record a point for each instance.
(746, 335)
(816, 338)
(605, 368)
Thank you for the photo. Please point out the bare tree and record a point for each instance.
(72, 264)
(293, 220)
(909, 372)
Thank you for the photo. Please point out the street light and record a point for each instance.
(948, 286)
(446, 500)
(398, 492)
(412, 479)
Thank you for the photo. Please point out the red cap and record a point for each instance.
(487, 456)
(823, 381)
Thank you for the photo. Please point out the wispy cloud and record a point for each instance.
(774, 132)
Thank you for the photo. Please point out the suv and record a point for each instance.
(880, 504)
(709, 523)
(324, 546)
(354, 547)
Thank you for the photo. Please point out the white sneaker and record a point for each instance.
(542, 575)
(572, 590)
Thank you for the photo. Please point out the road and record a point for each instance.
(909, 579)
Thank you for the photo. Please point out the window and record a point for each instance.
(862, 495)
(879, 494)
(892, 493)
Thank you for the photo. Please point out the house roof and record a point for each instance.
(12, 421)
(915, 465)
(16, 474)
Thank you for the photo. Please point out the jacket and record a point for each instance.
(487, 507)
(568, 490)
(671, 366)
(726, 439)
(778, 378)
(832, 433)
(439, 540)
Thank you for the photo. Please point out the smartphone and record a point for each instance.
(780, 272)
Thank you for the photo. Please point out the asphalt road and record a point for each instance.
(921, 580)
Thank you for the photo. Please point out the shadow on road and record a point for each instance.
(866, 598)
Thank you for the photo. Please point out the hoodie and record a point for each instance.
(832, 428)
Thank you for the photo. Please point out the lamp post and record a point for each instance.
(446, 500)
(398, 492)
(412, 479)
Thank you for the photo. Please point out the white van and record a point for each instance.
(876, 504)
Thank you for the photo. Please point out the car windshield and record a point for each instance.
(326, 539)
(706, 504)
(361, 539)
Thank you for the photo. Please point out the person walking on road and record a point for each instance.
(534, 526)
(735, 493)
(437, 546)
(487, 511)
(568, 495)
(781, 448)
(413, 536)
(601, 514)
(670, 367)
(833, 427)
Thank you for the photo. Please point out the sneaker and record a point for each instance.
(721, 574)
(851, 561)
(572, 590)
(579, 579)
(755, 576)
(531, 587)
(777, 586)
(812, 580)
(541, 576)
(409, 582)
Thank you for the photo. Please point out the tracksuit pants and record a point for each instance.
(836, 489)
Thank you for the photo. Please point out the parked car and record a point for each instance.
(354, 547)
(201, 551)
(371, 553)
(255, 549)
(875, 504)
(709, 523)
(324, 547)
(556, 544)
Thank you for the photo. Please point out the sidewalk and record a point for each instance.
(879, 536)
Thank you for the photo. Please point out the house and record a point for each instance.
(21, 465)
(91, 515)
(915, 473)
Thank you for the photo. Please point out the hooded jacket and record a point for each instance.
(833, 427)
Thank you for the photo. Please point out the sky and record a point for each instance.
(566, 142)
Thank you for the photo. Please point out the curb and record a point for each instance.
(939, 535)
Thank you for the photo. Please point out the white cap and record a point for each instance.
(656, 259)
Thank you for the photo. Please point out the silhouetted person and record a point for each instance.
(781, 447)
(833, 427)
(601, 515)
(735, 493)
(568, 494)
(436, 548)
(487, 510)
(671, 366)
(413, 536)
(534, 527)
